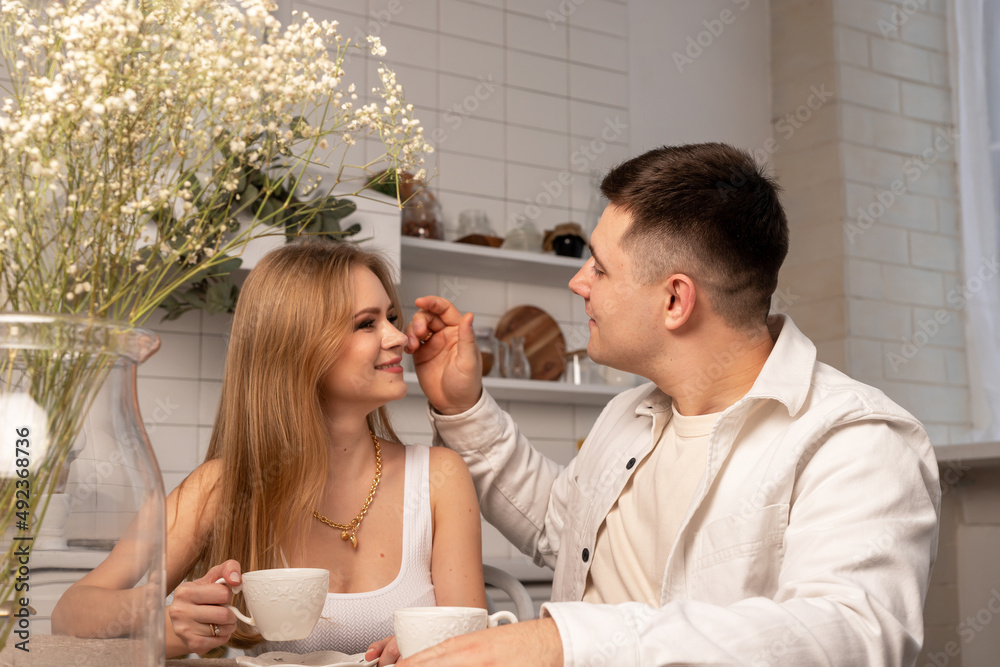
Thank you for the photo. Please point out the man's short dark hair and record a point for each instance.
(708, 211)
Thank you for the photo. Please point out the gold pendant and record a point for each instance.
(350, 536)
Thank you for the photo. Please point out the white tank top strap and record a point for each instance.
(352, 621)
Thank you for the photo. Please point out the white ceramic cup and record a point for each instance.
(418, 628)
(284, 603)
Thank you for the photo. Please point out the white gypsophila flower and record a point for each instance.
(118, 103)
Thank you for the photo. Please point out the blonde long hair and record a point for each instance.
(294, 313)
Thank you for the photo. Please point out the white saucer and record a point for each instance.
(314, 659)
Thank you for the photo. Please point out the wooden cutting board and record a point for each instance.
(543, 340)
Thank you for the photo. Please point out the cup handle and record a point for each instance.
(238, 588)
(493, 620)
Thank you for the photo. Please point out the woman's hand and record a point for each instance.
(445, 355)
(385, 650)
(197, 615)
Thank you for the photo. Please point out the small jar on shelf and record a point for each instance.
(515, 361)
(421, 216)
(524, 236)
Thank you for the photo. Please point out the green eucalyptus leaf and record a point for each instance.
(384, 182)
(191, 297)
(174, 307)
(221, 296)
(268, 207)
(225, 267)
(340, 208)
(329, 222)
(314, 226)
(249, 194)
(297, 125)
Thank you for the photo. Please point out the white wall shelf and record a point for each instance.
(974, 454)
(537, 391)
(477, 261)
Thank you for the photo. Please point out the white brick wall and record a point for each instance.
(893, 157)
(510, 101)
(898, 247)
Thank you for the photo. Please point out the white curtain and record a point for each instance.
(977, 47)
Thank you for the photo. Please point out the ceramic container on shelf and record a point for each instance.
(77, 473)
(568, 245)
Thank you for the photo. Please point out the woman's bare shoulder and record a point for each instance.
(448, 462)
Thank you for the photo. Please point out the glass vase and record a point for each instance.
(517, 364)
(77, 476)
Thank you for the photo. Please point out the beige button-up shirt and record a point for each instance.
(809, 540)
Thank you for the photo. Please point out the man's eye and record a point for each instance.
(597, 271)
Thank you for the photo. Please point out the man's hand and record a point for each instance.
(385, 650)
(445, 355)
(527, 644)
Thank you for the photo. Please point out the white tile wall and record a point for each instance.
(513, 103)
(893, 159)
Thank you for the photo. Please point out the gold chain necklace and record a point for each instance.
(350, 530)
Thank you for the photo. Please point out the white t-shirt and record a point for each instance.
(630, 554)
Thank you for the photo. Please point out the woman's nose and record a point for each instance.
(393, 338)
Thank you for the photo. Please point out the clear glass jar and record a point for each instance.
(524, 236)
(421, 216)
(474, 221)
(516, 360)
(489, 350)
(579, 368)
(77, 476)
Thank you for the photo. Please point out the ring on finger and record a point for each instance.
(215, 629)
(427, 337)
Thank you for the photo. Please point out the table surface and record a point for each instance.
(59, 651)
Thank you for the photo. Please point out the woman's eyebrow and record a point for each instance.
(373, 310)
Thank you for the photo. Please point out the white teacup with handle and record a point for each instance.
(418, 628)
(284, 603)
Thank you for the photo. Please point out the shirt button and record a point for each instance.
(631, 462)
(586, 555)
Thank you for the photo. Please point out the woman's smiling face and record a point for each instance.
(368, 372)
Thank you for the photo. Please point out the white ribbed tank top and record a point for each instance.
(350, 622)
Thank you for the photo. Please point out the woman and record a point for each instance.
(304, 470)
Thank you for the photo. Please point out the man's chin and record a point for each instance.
(594, 353)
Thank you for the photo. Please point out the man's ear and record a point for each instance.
(680, 294)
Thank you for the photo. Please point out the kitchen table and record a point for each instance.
(60, 651)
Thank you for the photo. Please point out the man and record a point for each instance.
(748, 506)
